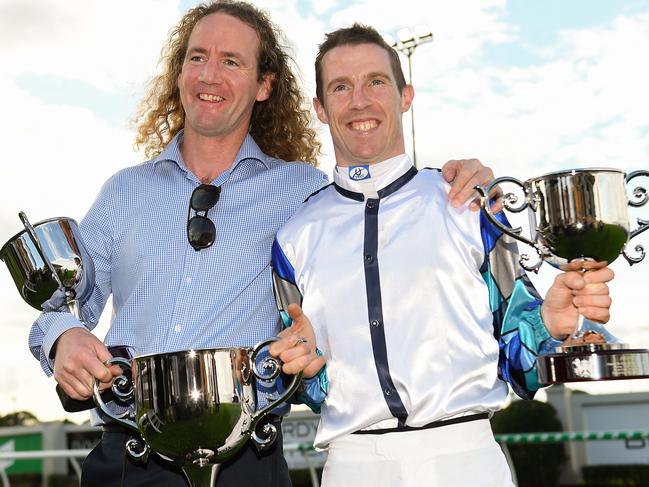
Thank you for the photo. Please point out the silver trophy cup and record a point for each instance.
(196, 408)
(579, 220)
(46, 257)
(48, 261)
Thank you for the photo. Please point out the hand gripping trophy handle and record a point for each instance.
(270, 370)
(208, 397)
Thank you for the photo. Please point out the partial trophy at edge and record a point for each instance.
(579, 220)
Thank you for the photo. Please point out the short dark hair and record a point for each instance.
(354, 35)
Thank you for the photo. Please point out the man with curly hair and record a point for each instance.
(183, 241)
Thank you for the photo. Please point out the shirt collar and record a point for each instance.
(370, 179)
(249, 150)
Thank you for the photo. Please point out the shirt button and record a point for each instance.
(388, 392)
(177, 328)
(371, 203)
(369, 258)
(375, 323)
(188, 280)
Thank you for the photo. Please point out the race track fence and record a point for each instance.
(560, 437)
(306, 448)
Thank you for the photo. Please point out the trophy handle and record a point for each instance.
(138, 449)
(510, 203)
(273, 367)
(122, 388)
(639, 198)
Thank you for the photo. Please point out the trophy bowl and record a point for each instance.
(580, 214)
(47, 256)
(579, 220)
(195, 408)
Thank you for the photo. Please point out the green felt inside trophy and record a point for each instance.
(207, 430)
(601, 242)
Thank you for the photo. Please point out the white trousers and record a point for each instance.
(458, 455)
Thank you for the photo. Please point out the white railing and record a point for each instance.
(307, 449)
(71, 455)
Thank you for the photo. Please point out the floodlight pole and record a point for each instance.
(407, 48)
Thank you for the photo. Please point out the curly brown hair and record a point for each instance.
(280, 125)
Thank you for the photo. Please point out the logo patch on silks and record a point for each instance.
(358, 173)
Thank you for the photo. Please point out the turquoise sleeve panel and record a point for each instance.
(516, 308)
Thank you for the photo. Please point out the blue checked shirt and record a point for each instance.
(167, 296)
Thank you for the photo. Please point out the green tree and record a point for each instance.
(19, 418)
(537, 465)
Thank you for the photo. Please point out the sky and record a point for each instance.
(527, 87)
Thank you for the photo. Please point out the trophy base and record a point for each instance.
(593, 362)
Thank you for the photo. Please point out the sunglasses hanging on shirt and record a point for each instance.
(201, 231)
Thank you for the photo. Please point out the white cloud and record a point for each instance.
(461, 28)
(319, 7)
(585, 105)
(59, 157)
(303, 34)
(109, 45)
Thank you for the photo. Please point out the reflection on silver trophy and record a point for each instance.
(196, 408)
(579, 220)
(47, 257)
(48, 262)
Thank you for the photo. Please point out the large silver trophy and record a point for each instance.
(196, 408)
(579, 220)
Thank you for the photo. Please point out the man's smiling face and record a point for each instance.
(219, 82)
(362, 104)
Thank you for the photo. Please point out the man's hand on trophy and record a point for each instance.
(79, 360)
(297, 347)
(464, 175)
(574, 293)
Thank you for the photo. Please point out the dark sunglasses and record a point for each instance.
(200, 229)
